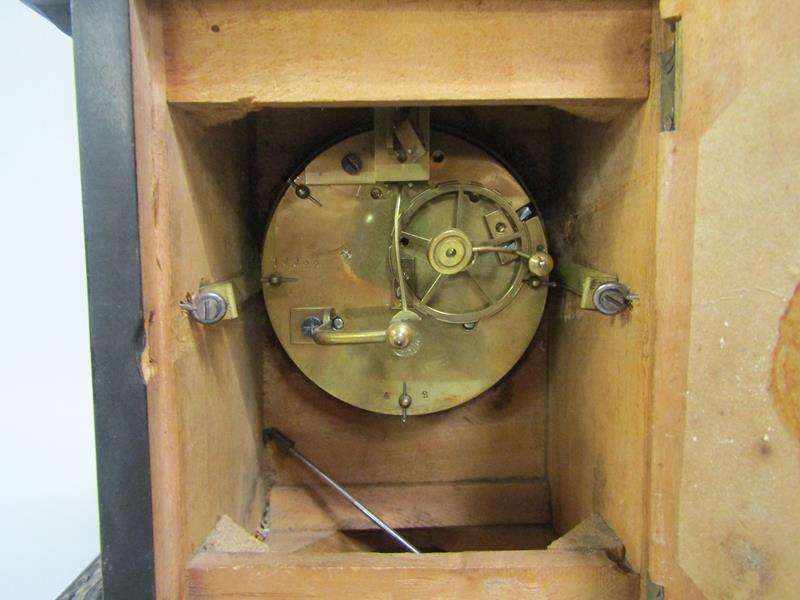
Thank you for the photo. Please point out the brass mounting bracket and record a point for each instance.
(598, 290)
(402, 140)
(222, 300)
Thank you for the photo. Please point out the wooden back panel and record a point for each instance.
(480, 463)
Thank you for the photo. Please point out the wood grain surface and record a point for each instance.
(286, 52)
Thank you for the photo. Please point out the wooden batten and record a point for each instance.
(536, 575)
(248, 54)
(313, 508)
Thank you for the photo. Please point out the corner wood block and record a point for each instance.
(591, 535)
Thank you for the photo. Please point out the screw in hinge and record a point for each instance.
(655, 591)
(669, 85)
(262, 532)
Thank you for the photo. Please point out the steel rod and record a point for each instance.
(287, 445)
(398, 263)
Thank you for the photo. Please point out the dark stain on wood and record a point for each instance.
(785, 381)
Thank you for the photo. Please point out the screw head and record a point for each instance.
(302, 191)
(310, 325)
(376, 193)
(611, 298)
(208, 308)
(469, 326)
(352, 163)
(540, 264)
(337, 323)
(404, 400)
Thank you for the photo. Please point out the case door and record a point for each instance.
(725, 502)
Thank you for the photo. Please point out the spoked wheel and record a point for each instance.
(459, 245)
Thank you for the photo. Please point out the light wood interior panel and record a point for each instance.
(725, 462)
(408, 505)
(204, 384)
(600, 368)
(536, 575)
(498, 437)
(433, 539)
(217, 368)
(248, 54)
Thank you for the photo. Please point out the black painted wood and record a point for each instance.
(55, 11)
(87, 586)
(100, 30)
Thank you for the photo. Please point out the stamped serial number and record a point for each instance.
(297, 262)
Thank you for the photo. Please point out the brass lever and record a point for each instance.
(539, 263)
(325, 335)
(400, 334)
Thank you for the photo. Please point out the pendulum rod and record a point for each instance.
(286, 446)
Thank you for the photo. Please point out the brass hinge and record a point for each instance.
(671, 60)
(654, 591)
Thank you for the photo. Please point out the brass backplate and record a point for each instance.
(339, 256)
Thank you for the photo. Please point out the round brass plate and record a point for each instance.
(336, 257)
